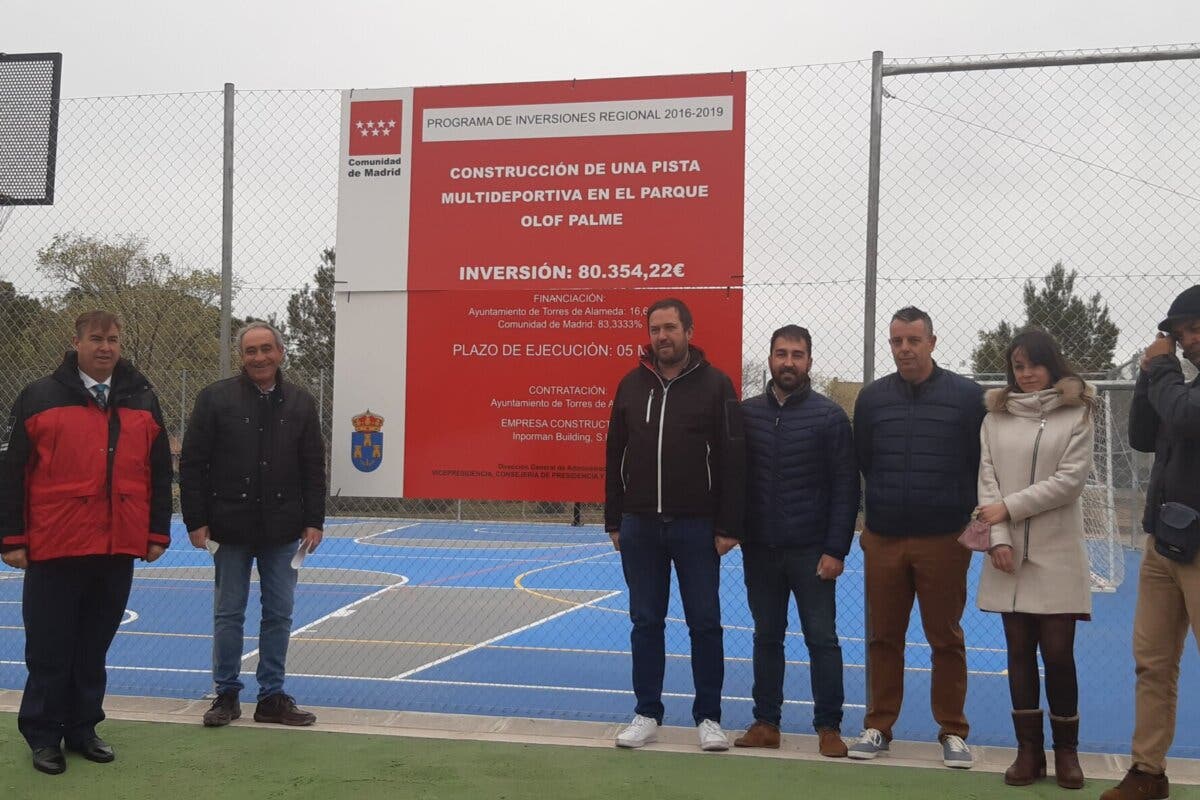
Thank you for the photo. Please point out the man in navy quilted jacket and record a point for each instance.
(801, 502)
(916, 435)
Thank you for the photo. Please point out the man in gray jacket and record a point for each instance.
(1165, 420)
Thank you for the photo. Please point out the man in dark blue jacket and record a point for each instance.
(916, 433)
(801, 502)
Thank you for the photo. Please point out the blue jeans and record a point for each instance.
(649, 543)
(772, 576)
(277, 587)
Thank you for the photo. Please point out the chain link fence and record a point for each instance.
(1061, 197)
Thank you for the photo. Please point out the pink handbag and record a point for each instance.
(977, 535)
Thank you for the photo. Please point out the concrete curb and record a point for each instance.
(520, 730)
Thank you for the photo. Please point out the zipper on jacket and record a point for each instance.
(1032, 477)
(112, 424)
(708, 463)
(662, 417)
(649, 402)
(908, 428)
(772, 501)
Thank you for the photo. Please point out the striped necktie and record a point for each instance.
(101, 392)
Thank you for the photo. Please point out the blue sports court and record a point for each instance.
(529, 620)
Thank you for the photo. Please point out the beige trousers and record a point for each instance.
(1168, 602)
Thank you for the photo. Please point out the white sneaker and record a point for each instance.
(712, 738)
(955, 753)
(643, 730)
(870, 744)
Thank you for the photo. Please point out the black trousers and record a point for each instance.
(72, 607)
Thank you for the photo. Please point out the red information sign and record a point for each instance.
(542, 219)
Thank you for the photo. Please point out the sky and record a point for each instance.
(955, 140)
(141, 47)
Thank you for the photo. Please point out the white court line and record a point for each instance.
(518, 543)
(592, 690)
(130, 669)
(477, 524)
(560, 650)
(555, 565)
(687, 656)
(841, 637)
(363, 539)
(208, 581)
(512, 544)
(406, 557)
(585, 590)
(147, 573)
(506, 634)
(726, 626)
(373, 679)
(337, 612)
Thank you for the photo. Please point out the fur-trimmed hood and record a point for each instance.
(1067, 392)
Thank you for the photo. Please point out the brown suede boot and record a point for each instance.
(1030, 763)
(760, 734)
(1067, 771)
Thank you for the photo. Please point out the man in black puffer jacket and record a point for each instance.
(252, 487)
(1164, 419)
(674, 489)
(916, 433)
(801, 501)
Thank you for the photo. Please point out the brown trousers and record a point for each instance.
(933, 569)
(1168, 602)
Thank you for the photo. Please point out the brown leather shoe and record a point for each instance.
(830, 743)
(760, 734)
(1138, 785)
(281, 709)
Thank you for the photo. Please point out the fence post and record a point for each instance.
(869, 306)
(227, 237)
(872, 218)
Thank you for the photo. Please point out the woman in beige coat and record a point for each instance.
(1035, 457)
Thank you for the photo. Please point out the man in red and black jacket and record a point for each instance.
(85, 488)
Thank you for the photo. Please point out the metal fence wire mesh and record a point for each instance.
(1062, 197)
